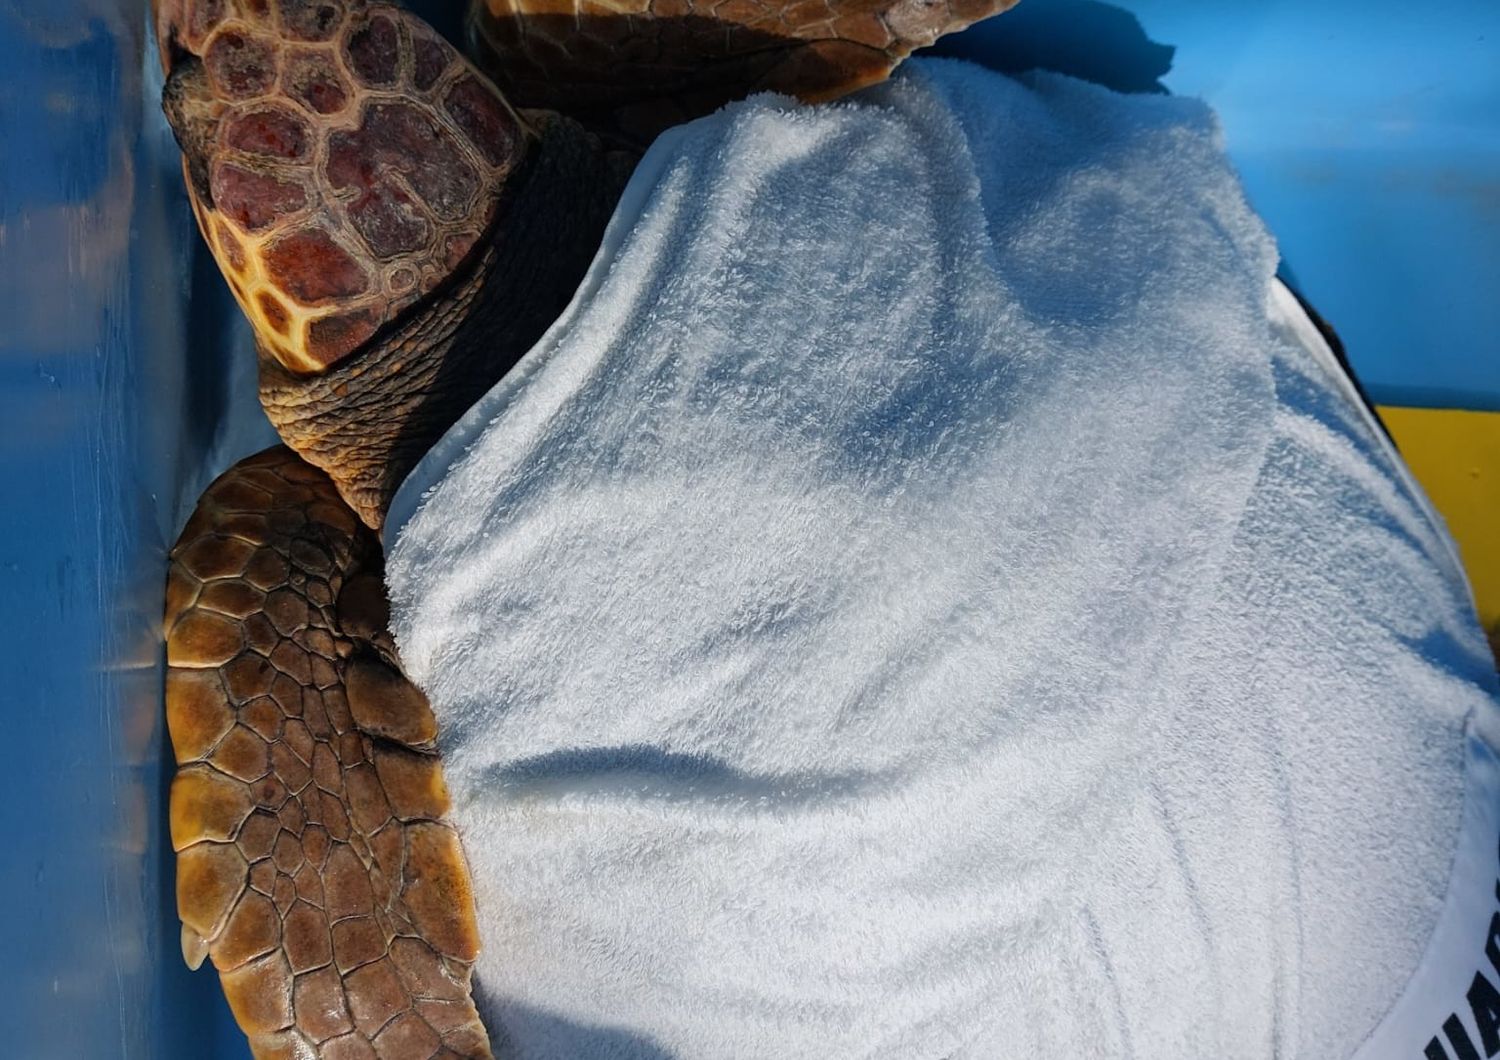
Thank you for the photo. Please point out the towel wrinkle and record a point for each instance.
(925, 598)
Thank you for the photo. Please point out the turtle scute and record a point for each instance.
(342, 159)
(633, 67)
(314, 865)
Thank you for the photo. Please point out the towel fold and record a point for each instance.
(921, 600)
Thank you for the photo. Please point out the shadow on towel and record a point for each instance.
(650, 772)
(538, 1033)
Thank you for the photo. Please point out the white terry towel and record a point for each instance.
(916, 603)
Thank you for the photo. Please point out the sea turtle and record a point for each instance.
(398, 233)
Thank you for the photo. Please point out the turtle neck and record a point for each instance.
(370, 418)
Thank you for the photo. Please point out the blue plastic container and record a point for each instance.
(1368, 135)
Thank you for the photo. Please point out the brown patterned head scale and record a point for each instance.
(342, 160)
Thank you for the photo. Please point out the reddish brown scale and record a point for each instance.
(241, 65)
(253, 200)
(374, 53)
(318, 999)
(204, 17)
(428, 61)
(312, 79)
(309, 20)
(641, 65)
(313, 269)
(388, 220)
(397, 137)
(268, 133)
(278, 880)
(356, 942)
(243, 754)
(320, 256)
(407, 1035)
(479, 113)
(275, 314)
(329, 336)
(231, 246)
(455, 249)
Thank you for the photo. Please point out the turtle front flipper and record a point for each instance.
(634, 67)
(314, 866)
(396, 234)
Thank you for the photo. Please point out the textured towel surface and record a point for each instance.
(916, 603)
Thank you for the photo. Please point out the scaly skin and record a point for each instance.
(341, 165)
(344, 164)
(634, 67)
(398, 236)
(314, 866)
(371, 417)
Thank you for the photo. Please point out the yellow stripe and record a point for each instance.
(1456, 456)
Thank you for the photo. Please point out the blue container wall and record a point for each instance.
(1367, 134)
(110, 422)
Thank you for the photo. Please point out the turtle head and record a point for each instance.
(343, 161)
